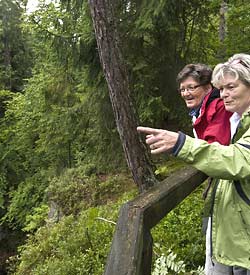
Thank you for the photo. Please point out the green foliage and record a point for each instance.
(37, 218)
(74, 190)
(5, 96)
(58, 138)
(80, 244)
(16, 53)
(3, 185)
(100, 135)
(169, 264)
(180, 231)
(78, 111)
(74, 246)
(169, 166)
(166, 263)
(24, 201)
(237, 18)
(152, 108)
(161, 37)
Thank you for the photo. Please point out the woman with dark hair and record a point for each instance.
(228, 234)
(210, 119)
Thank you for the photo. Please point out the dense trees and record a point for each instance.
(16, 59)
(56, 116)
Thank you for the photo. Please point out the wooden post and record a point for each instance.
(131, 250)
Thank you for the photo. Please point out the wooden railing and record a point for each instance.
(131, 250)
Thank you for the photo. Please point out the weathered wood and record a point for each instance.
(147, 252)
(165, 196)
(127, 246)
(132, 246)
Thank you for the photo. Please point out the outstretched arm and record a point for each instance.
(214, 159)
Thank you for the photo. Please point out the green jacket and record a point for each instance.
(230, 210)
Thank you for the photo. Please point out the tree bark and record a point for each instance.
(222, 28)
(105, 25)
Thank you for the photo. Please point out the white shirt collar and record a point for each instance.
(234, 121)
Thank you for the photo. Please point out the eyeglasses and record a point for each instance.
(189, 89)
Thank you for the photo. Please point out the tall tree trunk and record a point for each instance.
(6, 53)
(104, 21)
(222, 29)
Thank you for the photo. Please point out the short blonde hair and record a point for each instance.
(237, 66)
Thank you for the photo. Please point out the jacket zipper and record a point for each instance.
(211, 214)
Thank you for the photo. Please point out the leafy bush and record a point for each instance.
(74, 190)
(28, 196)
(37, 218)
(180, 231)
(74, 246)
(79, 243)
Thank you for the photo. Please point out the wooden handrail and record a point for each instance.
(131, 250)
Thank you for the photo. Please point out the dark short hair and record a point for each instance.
(201, 73)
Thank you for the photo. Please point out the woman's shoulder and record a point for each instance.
(215, 106)
(245, 119)
(212, 99)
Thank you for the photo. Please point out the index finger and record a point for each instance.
(148, 130)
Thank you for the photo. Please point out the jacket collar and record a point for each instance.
(196, 111)
(246, 113)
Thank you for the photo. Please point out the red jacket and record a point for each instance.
(213, 122)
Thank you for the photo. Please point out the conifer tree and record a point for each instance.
(104, 14)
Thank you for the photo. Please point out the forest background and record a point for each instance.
(63, 174)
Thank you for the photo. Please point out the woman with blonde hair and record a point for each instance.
(228, 234)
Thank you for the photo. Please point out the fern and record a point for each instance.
(199, 271)
(169, 264)
(164, 264)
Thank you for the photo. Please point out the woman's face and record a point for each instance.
(192, 92)
(235, 94)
